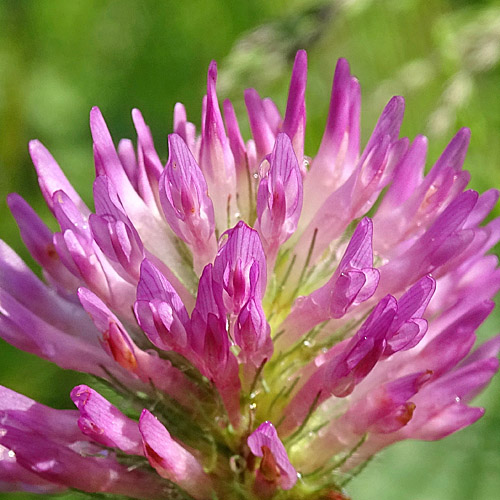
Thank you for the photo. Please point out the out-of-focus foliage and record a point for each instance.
(60, 58)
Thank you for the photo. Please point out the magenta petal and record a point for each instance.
(108, 163)
(216, 343)
(253, 334)
(266, 436)
(464, 382)
(107, 201)
(407, 336)
(19, 413)
(386, 408)
(273, 115)
(483, 207)
(15, 478)
(185, 201)
(120, 244)
(17, 279)
(151, 160)
(79, 254)
(147, 366)
(354, 198)
(26, 330)
(421, 201)
(104, 423)
(414, 302)
(51, 177)
(113, 231)
(448, 420)
(47, 444)
(408, 174)
(244, 160)
(347, 364)
(184, 128)
(359, 252)
(38, 238)
(341, 134)
(389, 122)
(115, 339)
(57, 463)
(262, 133)
(23, 412)
(208, 300)
(441, 407)
(170, 459)
(453, 343)
(232, 265)
(216, 158)
(279, 197)
(353, 282)
(294, 124)
(210, 343)
(159, 309)
(488, 349)
(126, 153)
(443, 240)
(235, 140)
(409, 327)
(451, 219)
(454, 154)
(107, 160)
(362, 352)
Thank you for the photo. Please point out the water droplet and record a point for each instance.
(237, 464)
(307, 162)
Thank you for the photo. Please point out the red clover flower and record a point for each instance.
(268, 321)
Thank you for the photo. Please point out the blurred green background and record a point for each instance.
(60, 58)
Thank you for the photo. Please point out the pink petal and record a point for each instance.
(170, 459)
(266, 436)
(104, 423)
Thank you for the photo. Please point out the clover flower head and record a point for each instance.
(267, 321)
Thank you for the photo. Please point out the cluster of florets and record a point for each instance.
(268, 321)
